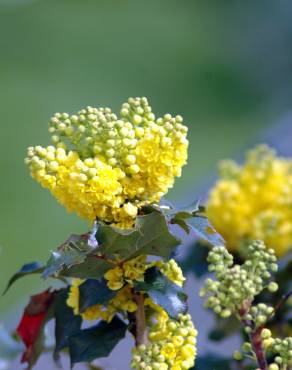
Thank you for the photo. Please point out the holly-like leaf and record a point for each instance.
(200, 225)
(163, 292)
(93, 292)
(72, 252)
(37, 313)
(98, 341)
(195, 260)
(67, 323)
(213, 362)
(150, 236)
(224, 328)
(93, 267)
(28, 269)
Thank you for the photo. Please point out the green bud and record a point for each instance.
(237, 355)
(273, 287)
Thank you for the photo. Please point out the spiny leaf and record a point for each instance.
(37, 313)
(224, 328)
(195, 260)
(98, 341)
(93, 292)
(67, 323)
(27, 269)
(72, 252)
(205, 230)
(92, 267)
(150, 236)
(213, 362)
(163, 292)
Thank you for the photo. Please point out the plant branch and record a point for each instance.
(140, 320)
(255, 337)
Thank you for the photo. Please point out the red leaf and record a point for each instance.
(30, 327)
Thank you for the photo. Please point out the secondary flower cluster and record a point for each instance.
(121, 279)
(254, 201)
(237, 285)
(106, 166)
(172, 343)
(282, 350)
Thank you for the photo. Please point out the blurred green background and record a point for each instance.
(225, 66)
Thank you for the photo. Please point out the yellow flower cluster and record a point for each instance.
(172, 343)
(126, 273)
(107, 167)
(121, 278)
(134, 269)
(121, 303)
(254, 201)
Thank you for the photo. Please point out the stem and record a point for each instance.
(140, 320)
(257, 344)
(255, 337)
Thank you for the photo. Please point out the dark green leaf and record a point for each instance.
(195, 260)
(28, 269)
(73, 252)
(67, 324)
(150, 236)
(213, 362)
(164, 292)
(201, 226)
(187, 211)
(93, 267)
(205, 230)
(93, 292)
(98, 341)
(224, 328)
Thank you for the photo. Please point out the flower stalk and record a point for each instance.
(140, 320)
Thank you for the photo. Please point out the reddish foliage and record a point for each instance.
(31, 324)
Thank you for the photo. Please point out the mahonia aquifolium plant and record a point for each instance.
(121, 276)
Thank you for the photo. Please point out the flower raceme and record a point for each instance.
(172, 342)
(104, 166)
(121, 279)
(254, 202)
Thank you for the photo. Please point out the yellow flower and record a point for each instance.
(127, 272)
(115, 278)
(254, 201)
(106, 167)
(168, 351)
(121, 303)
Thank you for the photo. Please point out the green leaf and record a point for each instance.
(224, 328)
(93, 292)
(98, 341)
(200, 225)
(150, 236)
(163, 292)
(93, 267)
(72, 252)
(67, 324)
(186, 211)
(27, 269)
(213, 362)
(195, 260)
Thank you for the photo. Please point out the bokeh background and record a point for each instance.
(225, 66)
